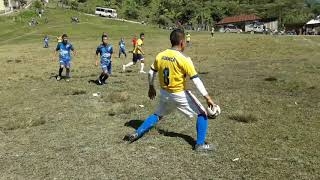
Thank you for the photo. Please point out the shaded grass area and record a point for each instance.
(50, 129)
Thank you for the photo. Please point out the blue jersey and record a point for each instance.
(122, 45)
(64, 51)
(46, 39)
(105, 53)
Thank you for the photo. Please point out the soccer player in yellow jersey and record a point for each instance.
(137, 55)
(188, 39)
(173, 68)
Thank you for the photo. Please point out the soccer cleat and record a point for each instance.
(99, 82)
(143, 72)
(58, 78)
(204, 147)
(131, 137)
(123, 68)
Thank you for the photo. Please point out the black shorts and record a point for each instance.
(137, 57)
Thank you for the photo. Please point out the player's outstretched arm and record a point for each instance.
(198, 83)
(140, 49)
(152, 91)
(54, 55)
(96, 57)
(75, 53)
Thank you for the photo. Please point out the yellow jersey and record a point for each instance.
(138, 44)
(188, 37)
(173, 68)
(59, 39)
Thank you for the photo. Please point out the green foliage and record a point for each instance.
(37, 4)
(6, 3)
(130, 9)
(196, 12)
(74, 5)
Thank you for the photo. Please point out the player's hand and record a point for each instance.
(209, 101)
(152, 92)
(96, 64)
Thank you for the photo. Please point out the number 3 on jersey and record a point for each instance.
(166, 73)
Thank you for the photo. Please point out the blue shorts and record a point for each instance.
(123, 51)
(106, 67)
(65, 63)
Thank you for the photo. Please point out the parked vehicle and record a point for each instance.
(106, 12)
(230, 28)
(256, 27)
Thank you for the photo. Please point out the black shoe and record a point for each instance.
(99, 82)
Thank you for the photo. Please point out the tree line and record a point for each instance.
(208, 12)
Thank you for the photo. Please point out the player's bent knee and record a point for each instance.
(106, 73)
(203, 115)
(159, 117)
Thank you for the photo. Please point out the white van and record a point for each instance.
(106, 12)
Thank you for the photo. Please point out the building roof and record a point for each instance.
(314, 21)
(240, 18)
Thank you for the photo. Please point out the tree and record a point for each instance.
(37, 4)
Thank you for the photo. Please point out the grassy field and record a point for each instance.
(267, 87)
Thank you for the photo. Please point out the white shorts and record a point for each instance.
(184, 101)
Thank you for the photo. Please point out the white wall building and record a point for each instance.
(2, 7)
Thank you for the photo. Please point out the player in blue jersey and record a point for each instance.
(46, 41)
(64, 49)
(122, 48)
(105, 51)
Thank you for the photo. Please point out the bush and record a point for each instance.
(74, 5)
(37, 4)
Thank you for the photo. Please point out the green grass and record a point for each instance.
(267, 87)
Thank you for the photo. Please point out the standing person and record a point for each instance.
(40, 13)
(122, 48)
(173, 67)
(46, 41)
(105, 51)
(134, 41)
(137, 55)
(64, 49)
(212, 31)
(188, 39)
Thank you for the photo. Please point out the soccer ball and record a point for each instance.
(213, 112)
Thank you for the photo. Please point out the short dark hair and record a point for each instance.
(176, 36)
(64, 35)
(103, 36)
(141, 34)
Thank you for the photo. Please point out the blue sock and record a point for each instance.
(147, 124)
(202, 126)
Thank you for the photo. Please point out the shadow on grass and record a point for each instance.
(136, 123)
(244, 118)
(187, 138)
(271, 79)
(56, 75)
(95, 82)
(203, 73)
